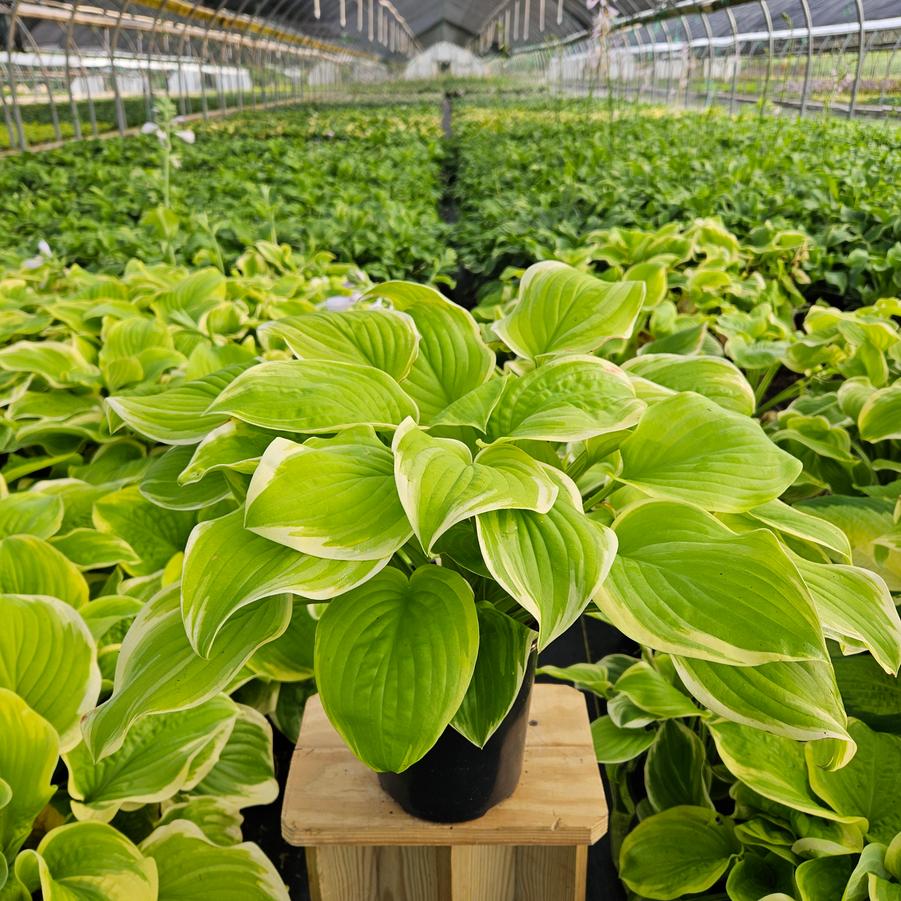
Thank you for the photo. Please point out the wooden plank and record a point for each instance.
(551, 873)
(483, 872)
(331, 798)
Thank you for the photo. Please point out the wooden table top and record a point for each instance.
(331, 798)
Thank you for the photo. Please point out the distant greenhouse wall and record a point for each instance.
(444, 58)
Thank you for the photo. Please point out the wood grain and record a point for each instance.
(331, 798)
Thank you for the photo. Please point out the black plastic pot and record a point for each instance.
(456, 781)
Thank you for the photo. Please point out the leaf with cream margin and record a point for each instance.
(570, 399)
(440, 484)
(192, 868)
(688, 448)
(329, 497)
(382, 338)
(806, 526)
(87, 862)
(452, 360)
(29, 565)
(29, 753)
(314, 396)
(552, 563)
(30, 513)
(233, 445)
(48, 657)
(563, 310)
(91, 549)
(880, 416)
(158, 671)
(855, 604)
(713, 377)
(244, 773)
(227, 568)
(161, 756)
(219, 822)
(290, 657)
(394, 658)
(685, 584)
(161, 487)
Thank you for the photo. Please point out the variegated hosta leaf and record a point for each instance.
(290, 657)
(452, 359)
(91, 549)
(29, 751)
(688, 448)
(504, 649)
(685, 584)
(475, 408)
(161, 756)
(331, 497)
(676, 770)
(648, 690)
(48, 657)
(192, 868)
(715, 378)
(161, 487)
(86, 862)
(244, 773)
(178, 415)
(59, 364)
(314, 396)
(29, 565)
(772, 765)
(159, 672)
(103, 613)
(563, 310)
(855, 604)
(218, 821)
(792, 521)
(613, 744)
(552, 562)
(440, 484)
(29, 513)
(227, 567)
(382, 338)
(394, 658)
(798, 700)
(880, 416)
(571, 399)
(234, 445)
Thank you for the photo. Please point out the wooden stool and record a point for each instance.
(361, 846)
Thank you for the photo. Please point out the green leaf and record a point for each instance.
(552, 562)
(218, 821)
(613, 744)
(393, 661)
(869, 693)
(161, 487)
(314, 396)
(29, 565)
(103, 613)
(30, 513)
(682, 850)
(756, 878)
(191, 868)
(869, 786)
(161, 756)
(683, 583)
(290, 657)
(772, 765)
(871, 863)
(452, 359)
(823, 877)
(227, 568)
(381, 338)
(233, 445)
(571, 399)
(882, 889)
(807, 526)
(47, 656)
(880, 416)
(86, 862)
(676, 770)
(178, 415)
(158, 672)
(332, 497)
(563, 310)
(440, 484)
(593, 677)
(244, 774)
(154, 534)
(855, 604)
(475, 408)
(796, 700)
(504, 649)
(57, 363)
(713, 377)
(89, 549)
(688, 448)
(28, 756)
(650, 691)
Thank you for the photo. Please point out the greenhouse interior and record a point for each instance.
(451, 450)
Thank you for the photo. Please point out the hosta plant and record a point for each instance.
(430, 503)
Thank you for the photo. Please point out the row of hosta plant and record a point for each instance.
(90, 530)
(534, 179)
(364, 184)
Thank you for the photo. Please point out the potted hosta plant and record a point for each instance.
(436, 502)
